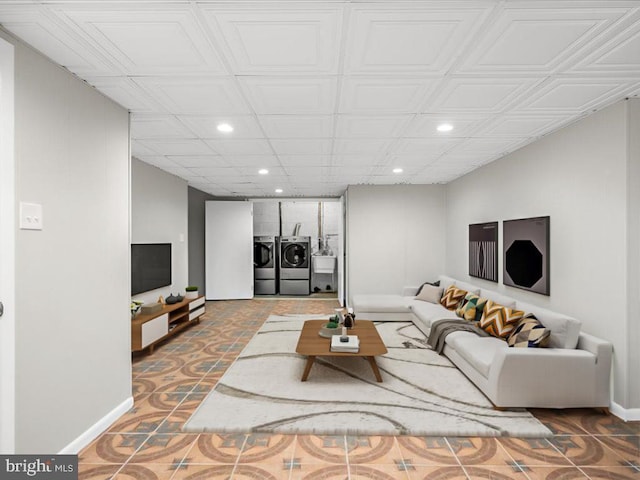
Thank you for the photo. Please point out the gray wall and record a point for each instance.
(73, 360)
(196, 237)
(160, 214)
(578, 176)
(395, 237)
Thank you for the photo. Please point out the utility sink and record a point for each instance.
(323, 263)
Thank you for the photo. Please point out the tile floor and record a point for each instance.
(147, 442)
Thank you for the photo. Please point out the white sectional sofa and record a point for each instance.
(573, 371)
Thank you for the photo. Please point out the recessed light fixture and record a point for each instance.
(445, 127)
(263, 171)
(278, 190)
(397, 170)
(224, 128)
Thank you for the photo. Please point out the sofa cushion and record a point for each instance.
(498, 298)
(529, 333)
(452, 297)
(498, 320)
(381, 303)
(477, 351)
(430, 312)
(433, 284)
(429, 293)
(565, 330)
(471, 307)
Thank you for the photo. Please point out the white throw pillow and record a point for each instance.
(430, 294)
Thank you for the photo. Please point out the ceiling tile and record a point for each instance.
(305, 160)
(537, 39)
(520, 126)
(145, 39)
(252, 160)
(127, 93)
(370, 126)
(195, 95)
(486, 95)
(272, 95)
(185, 146)
(158, 161)
(424, 146)
(403, 161)
(297, 126)
(253, 146)
(205, 126)
(414, 40)
(190, 161)
(277, 40)
(427, 125)
(383, 94)
(563, 95)
(374, 147)
(157, 126)
(314, 146)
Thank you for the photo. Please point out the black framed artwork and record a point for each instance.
(483, 251)
(526, 254)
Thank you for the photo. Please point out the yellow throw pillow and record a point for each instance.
(452, 297)
(498, 320)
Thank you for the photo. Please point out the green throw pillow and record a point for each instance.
(471, 307)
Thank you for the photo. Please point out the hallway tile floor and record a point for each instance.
(168, 385)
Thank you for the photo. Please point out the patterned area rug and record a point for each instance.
(422, 393)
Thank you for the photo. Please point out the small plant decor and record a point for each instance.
(191, 291)
(191, 288)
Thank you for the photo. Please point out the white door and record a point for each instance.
(228, 250)
(7, 252)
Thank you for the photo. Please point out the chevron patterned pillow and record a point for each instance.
(471, 307)
(452, 297)
(498, 320)
(529, 333)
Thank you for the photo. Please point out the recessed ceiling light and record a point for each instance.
(225, 128)
(263, 171)
(397, 170)
(445, 127)
(278, 190)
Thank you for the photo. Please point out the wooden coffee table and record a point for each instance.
(313, 345)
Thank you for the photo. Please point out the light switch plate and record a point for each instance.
(30, 216)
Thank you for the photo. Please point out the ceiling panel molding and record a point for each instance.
(206, 126)
(287, 95)
(127, 93)
(297, 126)
(302, 146)
(384, 95)
(195, 95)
(371, 126)
(253, 146)
(280, 40)
(145, 39)
(158, 126)
(44, 32)
(179, 146)
(409, 40)
(537, 40)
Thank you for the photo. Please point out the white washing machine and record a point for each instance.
(295, 263)
(265, 265)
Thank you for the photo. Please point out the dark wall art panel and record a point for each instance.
(526, 254)
(483, 251)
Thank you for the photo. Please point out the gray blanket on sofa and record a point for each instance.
(441, 328)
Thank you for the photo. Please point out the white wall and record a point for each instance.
(577, 176)
(633, 252)
(160, 214)
(266, 218)
(396, 237)
(73, 358)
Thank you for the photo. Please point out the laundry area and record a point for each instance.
(304, 239)
(274, 248)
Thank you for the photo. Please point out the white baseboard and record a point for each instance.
(100, 426)
(626, 414)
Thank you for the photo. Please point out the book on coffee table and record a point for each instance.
(352, 346)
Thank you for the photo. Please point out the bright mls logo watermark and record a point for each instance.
(50, 467)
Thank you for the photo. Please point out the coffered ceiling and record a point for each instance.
(326, 94)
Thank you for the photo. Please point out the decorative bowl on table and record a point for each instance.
(329, 329)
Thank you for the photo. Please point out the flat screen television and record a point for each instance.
(150, 266)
